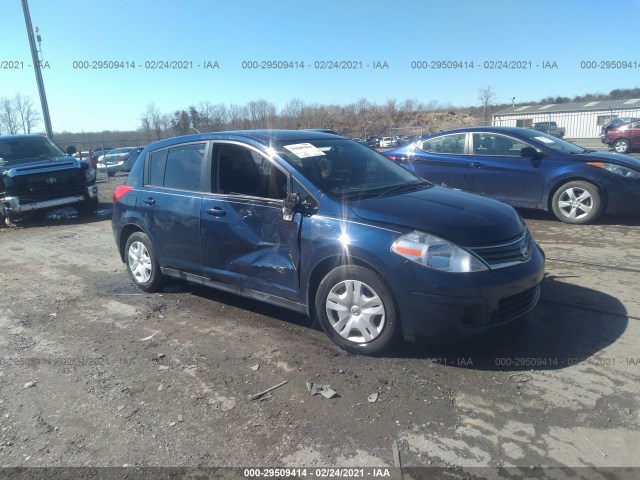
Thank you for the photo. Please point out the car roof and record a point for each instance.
(264, 137)
(489, 129)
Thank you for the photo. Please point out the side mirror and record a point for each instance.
(290, 203)
(530, 152)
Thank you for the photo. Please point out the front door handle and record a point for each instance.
(216, 212)
(150, 201)
(477, 165)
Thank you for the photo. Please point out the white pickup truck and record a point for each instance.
(551, 128)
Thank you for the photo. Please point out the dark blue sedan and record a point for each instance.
(326, 226)
(527, 168)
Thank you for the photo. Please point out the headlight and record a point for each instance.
(436, 253)
(617, 170)
(90, 174)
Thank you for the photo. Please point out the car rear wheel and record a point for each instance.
(142, 263)
(622, 146)
(577, 202)
(356, 310)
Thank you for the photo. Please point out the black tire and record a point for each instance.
(142, 263)
(622, 145)
(370, 332)
(577, 202)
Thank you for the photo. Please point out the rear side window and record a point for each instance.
(452, 144)
(184, 167)
(178, 167)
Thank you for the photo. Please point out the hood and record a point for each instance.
(608, 157)
(36, 166)
(464, 218)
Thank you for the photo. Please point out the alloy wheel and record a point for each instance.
(575, 203)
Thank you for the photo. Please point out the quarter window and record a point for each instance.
(452, 144)
(157, 164)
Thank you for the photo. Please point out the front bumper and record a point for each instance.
(12, 205)
(623, 196)
(438, 307)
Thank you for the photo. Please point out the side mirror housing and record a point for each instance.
(530, 152)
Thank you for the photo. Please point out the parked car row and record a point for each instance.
(111, 160)
(387, 142)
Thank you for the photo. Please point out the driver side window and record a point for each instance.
(497, 145)
(242, 171)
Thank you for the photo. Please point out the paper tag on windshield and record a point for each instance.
(304, 150)
(544, 139)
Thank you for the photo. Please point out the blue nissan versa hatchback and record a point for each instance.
(326, 226)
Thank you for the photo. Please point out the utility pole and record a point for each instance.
(36, 67)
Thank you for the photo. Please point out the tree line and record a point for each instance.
(357, 119)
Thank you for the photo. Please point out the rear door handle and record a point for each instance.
(150, 201)
(476, 164)
(216, 212)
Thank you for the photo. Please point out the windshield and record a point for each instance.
(342, 167)
(27, 149)
(550, 141)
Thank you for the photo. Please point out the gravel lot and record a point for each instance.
(95, 373)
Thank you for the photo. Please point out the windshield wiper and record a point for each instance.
(404, 187)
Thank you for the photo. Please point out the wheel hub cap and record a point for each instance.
(139, 262)
(355, 311)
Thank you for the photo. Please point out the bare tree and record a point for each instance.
(27, 115)
(9, 116)
(151, 121)
(261, 113)
(292, 113)
(486, 95)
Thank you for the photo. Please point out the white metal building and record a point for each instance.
(580, 120)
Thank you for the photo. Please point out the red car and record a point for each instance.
(624, 137)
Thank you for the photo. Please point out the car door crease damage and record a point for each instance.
(320, 224)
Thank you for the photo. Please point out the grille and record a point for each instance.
(517, 305)
(48, 185)
(507, 254)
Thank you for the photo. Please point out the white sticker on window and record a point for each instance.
(544, 139)
(304, 150)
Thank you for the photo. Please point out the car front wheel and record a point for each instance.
(577, 202)
(622, 146)
(142, 263)
(356, 310)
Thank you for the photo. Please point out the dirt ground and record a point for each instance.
(94, 372)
